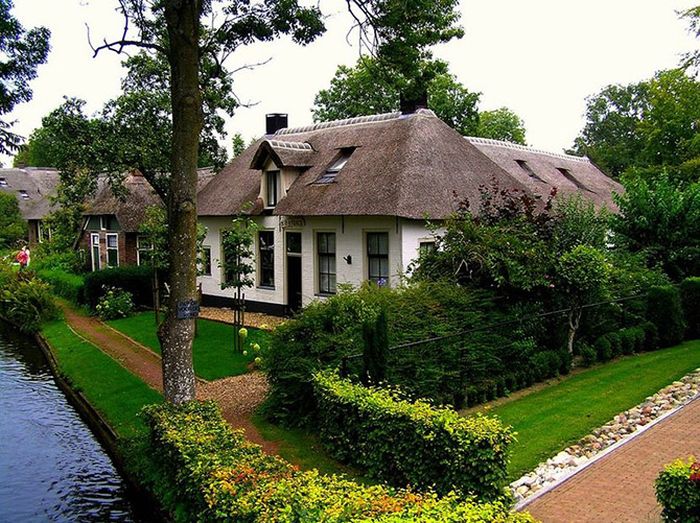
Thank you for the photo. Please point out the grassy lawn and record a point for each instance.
(550, 419)
(116, 393)
(213, 347)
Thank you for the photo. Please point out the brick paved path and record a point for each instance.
(620, 486)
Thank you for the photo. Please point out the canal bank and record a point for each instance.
(52, 467)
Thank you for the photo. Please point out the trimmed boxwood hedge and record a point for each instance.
(136, 280)
(63, 283)
(690, 298)
(411, 442)
(219, 476)
(665, 311)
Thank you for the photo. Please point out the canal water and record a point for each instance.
(51, 466)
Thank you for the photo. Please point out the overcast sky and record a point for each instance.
(540, 58)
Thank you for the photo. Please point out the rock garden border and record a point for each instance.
(623, 428)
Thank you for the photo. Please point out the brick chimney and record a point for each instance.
(274, 122)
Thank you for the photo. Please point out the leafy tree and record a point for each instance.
(501, 124)
(238, 144)
(359, 91)
(660, 218)
(691, 59)
(582, 277)
(174, 29)
(13, 227)
(21, 52)
(650, 123)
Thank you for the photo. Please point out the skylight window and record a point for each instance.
(335, 167)
(567, 174)
(23, 194)
(525, 167)
(3, 182)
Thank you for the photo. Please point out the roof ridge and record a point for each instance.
(296, 146)
(340, 123)
(518, 147)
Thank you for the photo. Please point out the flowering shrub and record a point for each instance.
(411, 442)
(25, 303)
(678, 490)
(115, 303)
(219, 476)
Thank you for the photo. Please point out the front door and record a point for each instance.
(95, 250)
(293, 240)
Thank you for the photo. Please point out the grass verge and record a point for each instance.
(212, 349)
(555, 417)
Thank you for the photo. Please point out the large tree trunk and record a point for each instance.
(574, 321)
(182, 18)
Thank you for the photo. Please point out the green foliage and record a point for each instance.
(411, 442)
(26, 303)
(501, 124)
(64, 284)
(604, 350)
(661, 219)
(219, 476)
(589, 355)
(651, 336)
(114, 303)
(45, 258)
(650, 123)
(376, 344)
(135, 280)
(582, 275)
(678, 491)
(665, 311)
(690, 298)
(12, 226)
(237, 243)
(21, 53)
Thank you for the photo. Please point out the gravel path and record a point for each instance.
(251, 319)
(237, 396)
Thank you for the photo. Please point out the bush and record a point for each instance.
(71, 261)
(404, 442)
(664, 310)
(638, 338)
(603, 349)
(588, 354)
(136, 280)
(651, 336)
(115, 303)
(678, 491)
(64, 284)
(690, 298)
(627, 341)
(219, 476)
(615, 344)
(26, 303)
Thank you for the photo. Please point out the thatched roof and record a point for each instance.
(409, 166)
(37, 183)
(131, 210)
(542, 170)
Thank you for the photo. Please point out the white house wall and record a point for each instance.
(404, 239)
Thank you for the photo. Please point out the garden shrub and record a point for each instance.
(678, 491)
(63, 283)
(615, 345)
(603, 349)
(136, 280)
(115, 303)
(26, 303)
(588, 354)
(627, 341)
(411, 442)
(638, 338)
(69, 261)
(665, 311)
(219, 476)
(690, 298)
(651, 336)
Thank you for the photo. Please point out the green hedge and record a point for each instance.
(404, 442)
(665, 311)
(690, 297)
(136, 280)
(64, 284)
(25, 302)
(678, 491)
(220, 476)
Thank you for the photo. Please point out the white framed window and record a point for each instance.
(205, 267)
(144, 250)
(112, 250)
(378, 257)
(95, 251)
(272, 182)
(325, 247)
(266, 259)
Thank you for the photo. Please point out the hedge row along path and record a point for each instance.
(620, 486)
(237, 396)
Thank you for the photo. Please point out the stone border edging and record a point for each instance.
(630, 436)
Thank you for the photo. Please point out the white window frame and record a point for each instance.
(108, 248)
(140, 248)
(95, 242)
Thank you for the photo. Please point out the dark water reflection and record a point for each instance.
(51, 466)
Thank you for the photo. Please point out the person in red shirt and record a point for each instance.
(23, 258)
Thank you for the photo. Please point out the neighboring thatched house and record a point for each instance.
(110, 230)
(33, 188)
(346, 201)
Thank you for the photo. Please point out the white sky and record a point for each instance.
(540, 58)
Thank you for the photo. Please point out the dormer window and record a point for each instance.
(525, 167)
(335, 167)
(272, 180)
(567, 174)
(23, 194)
(3, 182)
